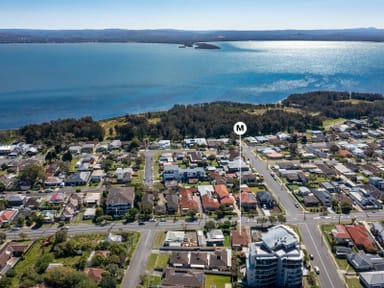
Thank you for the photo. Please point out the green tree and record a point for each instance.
(51, 155)
(130, 216)
(3, 237)
(107, 165)
(61, 236)
(42, 263)
(67, 156)
(108, 281)
(99, 212)
(20, 222)
(32, 173)
(346, 206)
(210, 225)
(65, 277)
(192, 214)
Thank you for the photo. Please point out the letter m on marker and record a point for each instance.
(240, 127)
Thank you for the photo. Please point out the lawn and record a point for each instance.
(218, 280)
(159, 239)
(150, 281)
(227, 241)
(157, 260)
(162, 260)
(138, 177)
(152, 261)
(353, 282)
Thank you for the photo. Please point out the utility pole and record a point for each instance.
(240, 128)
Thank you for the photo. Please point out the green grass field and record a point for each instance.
(217, 280)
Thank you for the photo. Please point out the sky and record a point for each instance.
(191, 14)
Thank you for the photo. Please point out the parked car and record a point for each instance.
(317, 270)
(311, 256)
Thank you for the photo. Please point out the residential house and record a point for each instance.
(265, 199)
(361, 238)
(78, 179)
(247, 201)
(95, 274)
(215, 237)
(174, 238)
(342, 252)
(53, 181)
(119, 200)
(209, 204)
(183, 278)
(165, 144)
(9, 254)
(88, 148)
(220, 259)
(114, 145)
(7, 216)
(179, 259)
(310, 200)
(15, 200)
(223, 195)
(372, 279)
(187, 201)
(123, 175)
(341, 235)
(72, 207)
(92, 199)
(57, 198)
(74, 149)
(377, 229)
(240, 240)
(198, 260)
(172, 203)
(365, 262)
(97, 176)
(323, 195)
(89, 213)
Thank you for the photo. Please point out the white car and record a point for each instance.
(317, 270)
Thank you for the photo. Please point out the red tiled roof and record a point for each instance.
(57, 197)
(361, 237)
(221, 191)
(209, 203)
(345, 152)
(6, 215)
(340, 232)
(186, 201)
(240, 239)
(227, 200)
(246, 198)
(94, 273)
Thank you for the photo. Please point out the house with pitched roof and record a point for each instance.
(223, 195)
(119, 200)
(187, 202)
(372, 279)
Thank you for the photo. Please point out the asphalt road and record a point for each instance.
(311, 235)
(149, 167)
(308, 225)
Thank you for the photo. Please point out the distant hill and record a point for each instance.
(184, 37)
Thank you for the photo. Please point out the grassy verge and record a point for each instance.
(159, 239)
(157, 260)
(353, 282)
(218, 281)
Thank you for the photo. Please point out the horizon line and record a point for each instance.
(196, 30)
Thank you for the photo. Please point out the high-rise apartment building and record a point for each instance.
(276, 261)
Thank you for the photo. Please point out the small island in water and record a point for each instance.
(200, 45)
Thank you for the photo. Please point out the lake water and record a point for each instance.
(42, 82)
